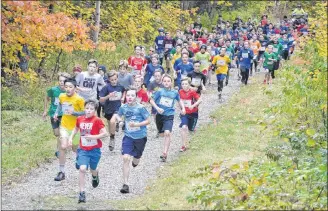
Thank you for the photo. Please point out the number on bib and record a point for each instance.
(196, 81)
(66, 108)
(166, 101)
(56, 101)
(131, 129)
(221, 62)
(244, 55)
(187, 103)
(88, 143)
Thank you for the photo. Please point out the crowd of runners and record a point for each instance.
(177, 69)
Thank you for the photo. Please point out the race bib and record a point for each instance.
(166, 101)
(116, 96)
(186, 103)
(168, 46)
(244, 55)
(88, 143)
(56, 101)
(255, 56)
(254, 47)
(66, 108)
(275, 50)
(305, 33)
(131, 129)
(203, 62)
(228, 53)
(221, 62)
(285, 46)
(291, 39)
(160, 42)
(196, 81)
(262, 49)
(213, 53)
(270, 62)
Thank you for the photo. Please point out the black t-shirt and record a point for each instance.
(112, 104)
(196, 80)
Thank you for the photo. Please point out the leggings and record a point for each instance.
(220, 85)
(244, 74)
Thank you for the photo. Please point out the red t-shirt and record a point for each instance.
(142, 96)
(89, 126)
(137, 63)
(204, 40)
(189, 98)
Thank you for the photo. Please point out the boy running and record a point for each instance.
(92, 129)
(198, 79)
(268, 64)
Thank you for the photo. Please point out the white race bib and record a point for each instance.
(166, 101)
(285, 46)
(291, 39)
(56, 101)
(275, 50)
(186, 103)
(221, 62)
(66, 108)
(270, 62)
(244, 55)
(196, 81)
(160, 42)
(213, 53)
(262, 49)
(116, 96)
(254, 47)
(168, 46)
(131, 129)
(88, 143)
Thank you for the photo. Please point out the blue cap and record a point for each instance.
(102, 68)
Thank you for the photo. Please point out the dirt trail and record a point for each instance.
(39, 190)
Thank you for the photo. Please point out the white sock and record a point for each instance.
(62, 168)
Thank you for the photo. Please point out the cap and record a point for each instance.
(77, 68)
(102, 68)
(203, 46)
(160, 30)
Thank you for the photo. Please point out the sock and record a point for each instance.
(62, 168)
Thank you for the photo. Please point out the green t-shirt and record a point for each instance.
(277, 49)
(267, 63)
(204, 59)
(230, 51)
(54, 93)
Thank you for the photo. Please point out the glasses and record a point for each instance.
(151, 50)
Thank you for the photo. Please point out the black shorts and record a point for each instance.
(276, 65)
(133, 147)
(285, 54)
(55, 124)
(190, 120)
(164, 123)
(109, 116)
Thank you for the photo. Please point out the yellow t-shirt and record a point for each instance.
(73, 103)
(175, 57)
(221, 63)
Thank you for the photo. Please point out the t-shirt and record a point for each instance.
(255, 46)
(112, 104)
(142, 96)
(197, 79)
(188, 98)
(159, 43)
(221, 63)
(125, 80)
(178, 61)
(89, 126)
(277, 49)
(85, 80)
(165, 99)
(204, 59)
(183, 70)
(247, 56)
(264, 44)
(150, 69)
(168, 44)
(154, 86)
(267, 63)
(137, 113)
(74, 103)
(137, 64)
(53, 93)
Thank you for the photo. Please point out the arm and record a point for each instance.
(183, 110)
(102, 134)
(58, 110)
(123, 96)
(158, 109)
(140, 124)
(197, 102)
(70, 140)
(78, 113)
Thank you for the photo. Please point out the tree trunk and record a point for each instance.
(97, 23)
(56, 69)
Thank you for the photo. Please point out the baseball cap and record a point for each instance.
(102, 68)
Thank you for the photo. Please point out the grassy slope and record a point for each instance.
(236, 136)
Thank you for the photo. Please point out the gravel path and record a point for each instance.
(39, 190)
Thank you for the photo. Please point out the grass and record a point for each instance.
(27, 142)
(235, 137)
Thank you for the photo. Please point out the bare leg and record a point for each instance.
(82, 172)
(167, 141)
(126, 168)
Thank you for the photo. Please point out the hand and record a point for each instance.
(56, 117)
(69, 112)
(160, 110)
(120, 124)
(122, 100)
(44, 115)
(241, 59)
(133, 124)
(70, 142)
(183, 111)
(112, 94)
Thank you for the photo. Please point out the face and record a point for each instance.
(161, 33)
(61, 80)
(92, 67)
(184, 58)
(203, 50)
(122, 69)
(138, 50)
(167, 35)
(90, 110)
(131, 96)
(158, 77)
(228, 43)
(167, 82)
(246, 44)
(197, 67)
(222, 51)
(113, 80)
(270, 48)
(69, 88)
(185, 85)
(178, 49)
(154, 60)
(101, 72)
(137, 82)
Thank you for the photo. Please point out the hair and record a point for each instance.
(65, 75)
(197, 61)
(111, 73)
(155, 56)
(186, 79)
(167, 76)
(93, 61)
(185, 54)
(137, 46)
(157, 71)
(92, 102)
(131, 88)
(71, 80)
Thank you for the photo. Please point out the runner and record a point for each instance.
(191, 100)
(198, 79)
(245, 56)
(102, 71)
(231, 53)
(112, 95)
(53, 97)
(168, 45)
(71, 105)
(136, 118)
(277, 50)
(163, 101)
(255, 46)
(159, 45)
(125, 79)
(182, 70)
(137, 63)
(204, 57)
(150, 69)
(92, 129)
(142, 96)
(268, 64)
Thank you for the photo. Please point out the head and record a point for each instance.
(143, 51)
(123, 66)
(246, 44)
(197, 66)
(184, 50)
(102, 70)
(203, 48)
(185, 57)
(185, 84)
(77, 69)
(167, 81)
(70, 86)
(261, 37)
(167, 34)
(178, 48)
(151, 50)
(275, 39)
(284, 36)
(270, 48)
(254, 37)
(154, 59)
(131, 96)
(61, 79)
(228, 43)
(92, 66)
(158, 76)
(138, 81)
(112, 77)
(137, 50)
(223, 51)
(90, 107)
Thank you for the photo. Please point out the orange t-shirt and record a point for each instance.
(255, 46)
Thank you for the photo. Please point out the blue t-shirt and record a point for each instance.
(137, 113)
(112, 104)
(286, 44)
(247, 55)
(150, 69)
(159, 42)
(178, 61)
(165, 99)
(184, 69)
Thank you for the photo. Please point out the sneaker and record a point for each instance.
(57, 154)
(60, 176)
(226, 83)
(163, 157)
(220, 95)
(125, 189)
(264, 81)
(111, 143)
(134, 165)
(82, 197)
(117, 127)
(95, 181)
(183, 148)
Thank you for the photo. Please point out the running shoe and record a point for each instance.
(183, 148)
(60, 176)
(163, 157)
(117, 127)
(82, 197)
(111, 143)
(134, 165)
(125, 189)
(95, 181)
(57, 154)
(264, 81)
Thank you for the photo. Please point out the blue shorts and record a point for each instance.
(164, 123)
(221, 77)
(133, 147)
(55, 124)
(88, 157)
(153, 110)
(190, 120)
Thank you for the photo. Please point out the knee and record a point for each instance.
(63, 146)
(126, 158)
(167, 133)
(184, 128)
(83, 169)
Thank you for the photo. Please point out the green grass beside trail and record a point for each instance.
(27, 141)
(237, 136)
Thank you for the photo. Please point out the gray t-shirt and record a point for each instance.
(85, 80)
(154, 86)
(125, 80)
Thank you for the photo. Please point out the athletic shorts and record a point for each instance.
(65, 133)
(276, 65)
(109, 116)
(55, 124)
(221, 77)
(88, 157)
(153, 110)
(164, 123)
(267, 69)
(285, 54)
(190, 120)
(133, 147)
